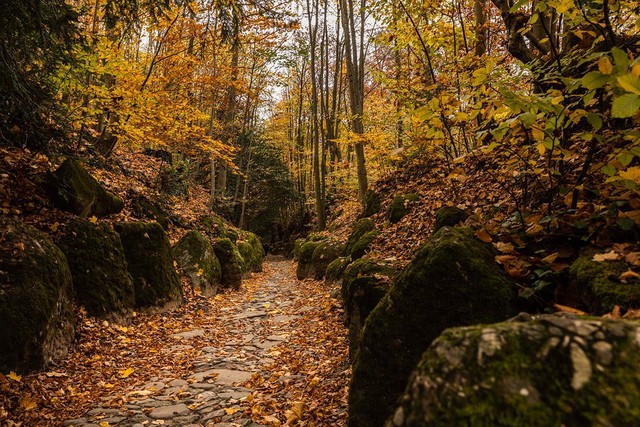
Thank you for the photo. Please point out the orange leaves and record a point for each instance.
(483, 235)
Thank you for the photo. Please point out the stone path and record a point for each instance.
(212, 394)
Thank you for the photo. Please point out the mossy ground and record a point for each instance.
(452, 281)
(449, 216)
(98, 266)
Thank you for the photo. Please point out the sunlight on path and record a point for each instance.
(271, 352)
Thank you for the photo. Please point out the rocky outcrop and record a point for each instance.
(144, 208)
(305, 260)
(251, 250)
(101, 282)
(74, 190)
(36, 310)
(197, 259)
(325, 252)
(400, 206)
(453, 280)
(230, 263)
(362, 227)
(150, 263)
(364, 284)
(449, 216)
(544, 371)
(336, 269)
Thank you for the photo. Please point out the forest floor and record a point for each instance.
(270, 354)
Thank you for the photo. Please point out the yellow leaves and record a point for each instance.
(232, 410)
(27, 402)
(609, 256)
(550, 258)
(295, 412)
(632, 174)
(125, 373)
(93, 219)
(271, 421)
(15, 377)
(54, 227)
(104, 424)
(604, 65)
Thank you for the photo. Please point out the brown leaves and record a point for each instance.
(483, 235)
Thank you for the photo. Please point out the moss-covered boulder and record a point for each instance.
(36, 312)
(449, 216)
(144, 208)
(73, 189)
(336, 269)
(372, 203)
(363, 245)
(324, 253)
(197, 259)
(101, 281)
(216, 228)
(230, 263)
(305, 260)
(364, 284)
(251, 250)
(453, 280)
(150, 263)
(598, 287)
(548, 371)
(400, 206)
(297, 247)
(362, 227)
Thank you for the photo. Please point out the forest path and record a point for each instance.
(272, 352)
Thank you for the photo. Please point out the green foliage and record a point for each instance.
(36, 38)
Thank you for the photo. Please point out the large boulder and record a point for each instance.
(449, 216)
(336, 269)
(364, 283)
(598, 287)
(251, 250)
(150, 263)
(305, 260)
(453, 280)
(101, 281)
(362, 227)
(197, 259)
(325, 252)
(547, 371)
(36, 311)
(73, 189)
(371, 203)
(230, 263)
(400, 206)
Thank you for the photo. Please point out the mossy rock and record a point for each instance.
(365, 282)
(597, 287)
(215, 226)
(325, 252)
(297, 246)
(195, 256)
(400, 206)
(174, 180)
(36, 311)
(449, 216)
(144, 208)
(361, 228)
(251, 250)
(453, 280)
(336, 269)
(305, 261)
(74, 190)
(372, 203)
(363, 245)
(150, 263)
(101, 281)
(230, 262)
(547, 371)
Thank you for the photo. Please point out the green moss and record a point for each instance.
(361, 227)
(597, 291)
(528, 378)
(335, 269)
(98, 266)
(453, 280)
(305, 261)
(297, 247)
(230, 262)
(150, 263)
(146, 209)
(449, 216)
(36, 313)
(251, 250)
(74, 190)
(196, 257)
(363, 245)
(365, 282)
(400, 206)
(371, 203)
(325, 252)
